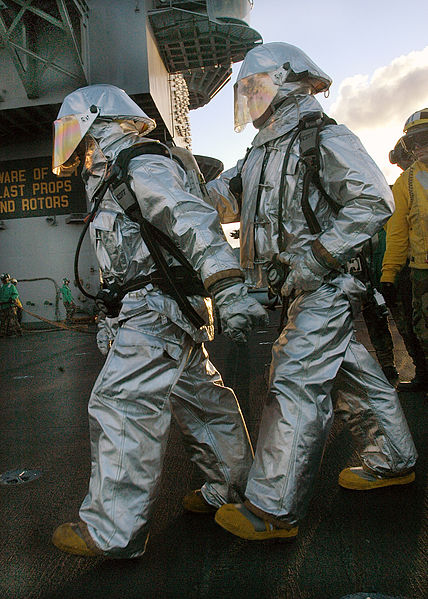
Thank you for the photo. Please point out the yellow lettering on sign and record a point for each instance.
(40, 173)
(48, 202)
(51, 187)
(12, 191)
(17, 176)
(7, 206)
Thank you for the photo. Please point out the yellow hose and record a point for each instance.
(59, 325)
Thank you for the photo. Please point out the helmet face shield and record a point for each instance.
(68, 132)
(252, 97)
(400, 155)
(418, 139)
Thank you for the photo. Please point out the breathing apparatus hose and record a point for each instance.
(97, 201)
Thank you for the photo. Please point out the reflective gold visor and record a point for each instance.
(68, 132)
(253, 96)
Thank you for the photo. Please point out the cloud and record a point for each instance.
(390, 96)
(376, 108)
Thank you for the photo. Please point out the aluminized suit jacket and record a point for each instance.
(157, 367)
(159, 185)
(348, 175)
(316, 357)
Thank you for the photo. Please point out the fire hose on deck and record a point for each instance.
(59, 325)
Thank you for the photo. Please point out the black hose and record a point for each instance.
(97, 201)
(76, 260)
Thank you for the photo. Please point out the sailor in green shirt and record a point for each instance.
(9, 325)
(68, 301)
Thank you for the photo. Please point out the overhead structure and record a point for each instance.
(61, 47)
(46, 43)
(201, 40)
(176, 55)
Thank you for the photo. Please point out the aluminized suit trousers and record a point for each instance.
(317, 361)
(154, 370)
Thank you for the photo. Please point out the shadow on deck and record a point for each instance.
(349, 542)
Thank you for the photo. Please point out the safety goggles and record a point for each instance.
(415, 140)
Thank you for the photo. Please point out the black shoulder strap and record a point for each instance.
(411, 184)
(310, 127)
(128, 202)
(125, 156)
(118, 177)
(235, 183)
(152, 236)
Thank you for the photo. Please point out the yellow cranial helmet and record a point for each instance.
(416, 129)
(418, 119)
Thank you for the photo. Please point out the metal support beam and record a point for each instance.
(63, 11)
(30, 75)
(4, 34)
(40, 13)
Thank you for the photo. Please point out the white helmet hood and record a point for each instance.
(79, 111)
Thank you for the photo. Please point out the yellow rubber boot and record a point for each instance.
(237, 519)
(196, 503)
(74, 538)
(359, 479)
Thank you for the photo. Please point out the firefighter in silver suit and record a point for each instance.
(316, 361)
(157, 367)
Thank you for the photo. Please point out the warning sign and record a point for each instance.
(29, 188)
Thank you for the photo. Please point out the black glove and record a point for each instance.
(109, 301)
(389, 293)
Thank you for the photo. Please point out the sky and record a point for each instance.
(376, 52)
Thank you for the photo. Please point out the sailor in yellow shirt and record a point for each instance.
(400, 305)
(407, 229)
(18, 302)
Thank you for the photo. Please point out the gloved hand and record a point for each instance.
(389, 293)
(239, 313)
(109, 301)
(107, 329)
(306, 273)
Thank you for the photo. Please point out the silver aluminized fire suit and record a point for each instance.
(316, 361)
(157, 367)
